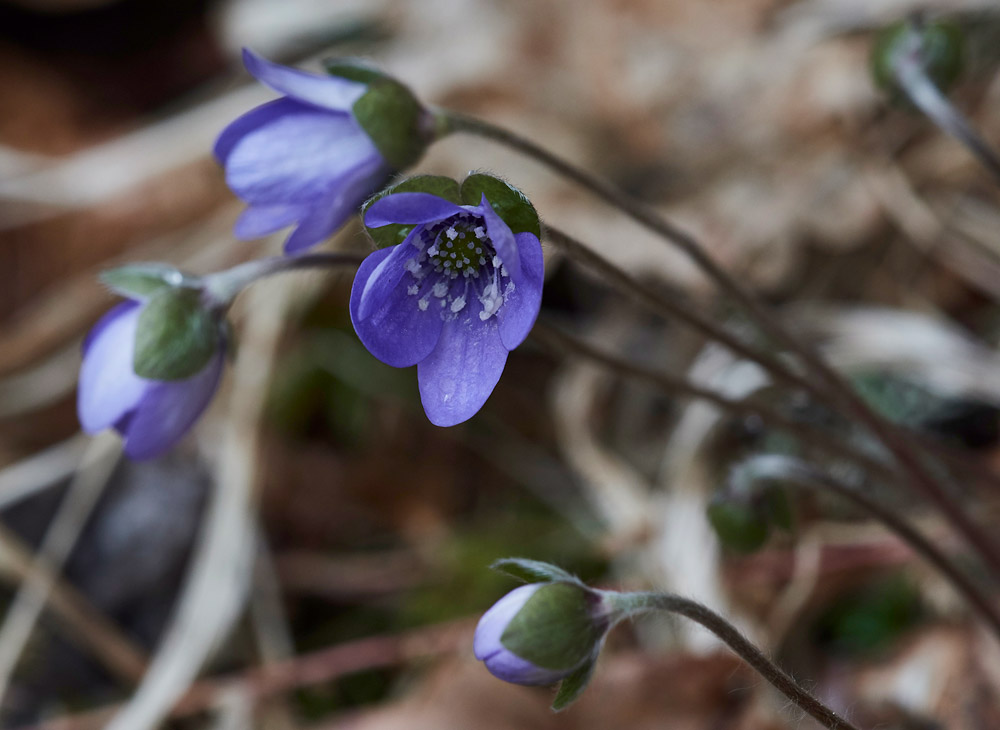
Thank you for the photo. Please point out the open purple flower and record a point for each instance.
(151, 415)
(312, 157)
(460, 292)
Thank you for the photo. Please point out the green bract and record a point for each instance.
(509, 203)
(391, 115)
(176, 335)
(556, 629)
(141, 281)
(532, 571)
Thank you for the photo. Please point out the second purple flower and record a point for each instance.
(312, 157)
(458, 293)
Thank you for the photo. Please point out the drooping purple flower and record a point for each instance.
(541, 633)
(306, 159)
(459, 293)
(151, 415)
(503, 663)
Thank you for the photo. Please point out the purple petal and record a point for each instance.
(107, 318)
(397, 333)
(250, 121)
(384, 277)
(511, 668)
(262, 220)
(516, 316)
(500, 661)
(503, 240)
(328, 92)
(494, 622)
(409, 208)
(330, 215)
(457, 378)
(297, 158)
(169, 409)
(108, 387)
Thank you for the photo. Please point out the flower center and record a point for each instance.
(456, 263)
(458, 246)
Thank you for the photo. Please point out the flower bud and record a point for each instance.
(542, 632)
(312, 157)
(937, 47)
(151, 364)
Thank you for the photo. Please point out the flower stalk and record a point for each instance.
(909, 67)
(222, 287)
(825, 380)
(674, 386)
(800, 474)
(645, 602)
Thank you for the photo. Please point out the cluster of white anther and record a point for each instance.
(455, 260)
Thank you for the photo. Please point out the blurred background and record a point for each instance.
(315, 554)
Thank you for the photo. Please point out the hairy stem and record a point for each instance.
(799, 473)
(651, 298)
(644, 602)
(825, 379)
(671, 385)
(223, 286)
(909, 70)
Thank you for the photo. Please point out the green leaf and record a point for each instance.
(738, 525)
(141, 281)
(532, 571)
(396, 233)
(509, 202)
(352, 69)
(390, 114)
(555, 628)
(176, 336)
(572, 687)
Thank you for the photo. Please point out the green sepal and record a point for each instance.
(352, 69)
(176, 336)
(141, 281)
(555, 629)
(941, 47)
(739, 525)
(395, 233)
(391, 115)
(532, 571)
(509, 202)
(572, 687)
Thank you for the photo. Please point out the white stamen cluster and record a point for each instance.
(456, 258)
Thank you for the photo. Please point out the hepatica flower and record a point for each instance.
(460, 291)
(167, 336)
(312, 157)
(548, 631)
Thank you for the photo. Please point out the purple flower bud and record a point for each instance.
(306, 159)
(541, 633)
(454, 298)
(501, 662)
(150, 414)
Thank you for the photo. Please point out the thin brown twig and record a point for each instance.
(554, 339)
(98, 464)
(83, 623)
(825, 380)
(304, 670)
(798, 472)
